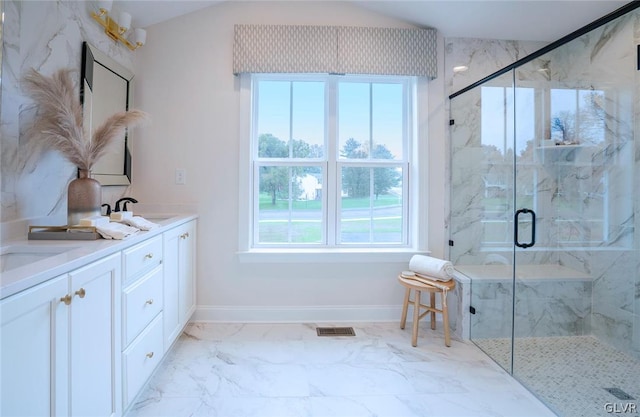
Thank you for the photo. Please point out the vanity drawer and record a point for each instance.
(141, 302)
(140, 359)
(142, 257)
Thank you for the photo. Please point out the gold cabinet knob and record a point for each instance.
(81, 293)
(150, 355)
(149, 301)
(66, 299)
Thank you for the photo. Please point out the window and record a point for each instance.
(577, 116)
(564, 172)
(578, 122)
(501, 108)
(330, 161)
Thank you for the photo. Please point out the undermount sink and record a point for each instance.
(155, 218)
(12, 257)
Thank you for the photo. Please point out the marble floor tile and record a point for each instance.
(279, 370)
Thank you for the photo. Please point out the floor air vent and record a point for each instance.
(619, 393)
(335, 331)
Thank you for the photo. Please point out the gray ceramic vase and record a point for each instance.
(84, 198)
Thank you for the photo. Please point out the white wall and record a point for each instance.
(184, 81)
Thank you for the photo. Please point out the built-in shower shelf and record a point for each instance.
(560, 147)
(571, 154)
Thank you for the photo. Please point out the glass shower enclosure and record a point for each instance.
(545, 216)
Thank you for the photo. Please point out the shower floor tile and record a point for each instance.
(570, 373)
(281, 370)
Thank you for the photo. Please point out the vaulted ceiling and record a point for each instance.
(533, 20)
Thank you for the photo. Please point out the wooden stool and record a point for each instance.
(419, 284)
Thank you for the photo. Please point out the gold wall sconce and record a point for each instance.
(119, 31)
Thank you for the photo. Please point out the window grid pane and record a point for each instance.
(371, 205)
(273, 121)
(387, 121)
(354, 119)
(289, 205)
(308, 122)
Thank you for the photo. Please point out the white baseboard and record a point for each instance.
(297, 314)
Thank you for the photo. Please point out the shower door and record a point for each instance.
(482, 209)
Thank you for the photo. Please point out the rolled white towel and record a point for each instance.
(432, 267)
(115, 230)
(139, 223)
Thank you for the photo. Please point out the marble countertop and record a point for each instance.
(71, 254)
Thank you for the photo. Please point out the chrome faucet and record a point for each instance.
(124, 200)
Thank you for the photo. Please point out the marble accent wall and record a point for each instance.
(46, 36)
(585, 191)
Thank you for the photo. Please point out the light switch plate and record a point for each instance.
(181, 176)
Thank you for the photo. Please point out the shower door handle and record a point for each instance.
(533, 228)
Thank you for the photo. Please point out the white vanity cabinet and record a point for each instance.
(179, 279)
(60, 345)
(34, 325)
(84, 339)
(142, 305)
(95, 376)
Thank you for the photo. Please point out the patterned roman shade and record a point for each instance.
(384, 51)
(334, 49)
(279, 48)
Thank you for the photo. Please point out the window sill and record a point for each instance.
(361, 255)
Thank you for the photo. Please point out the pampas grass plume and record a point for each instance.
(58, 123)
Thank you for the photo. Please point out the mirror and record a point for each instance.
(106, 88)
(1, 47)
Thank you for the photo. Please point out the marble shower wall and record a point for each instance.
(46, 36)
(482, 57)
(616, 285)
(585, 194)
